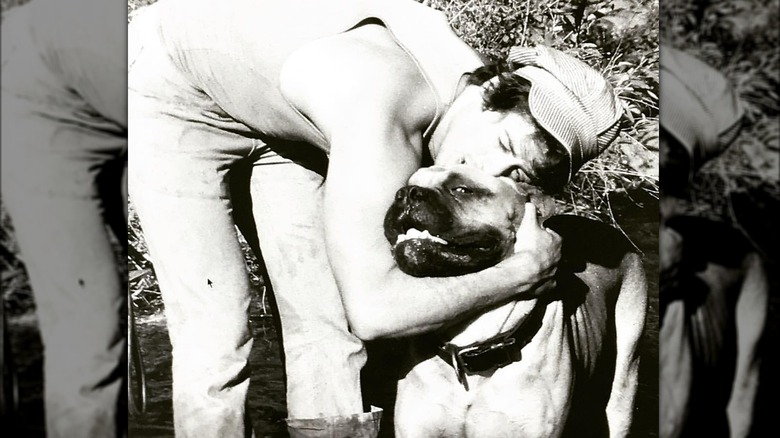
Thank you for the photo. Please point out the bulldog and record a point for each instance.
(565, 364)
(714, 294)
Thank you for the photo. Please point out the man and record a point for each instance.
(714, 286)
(64, 114)
(247, 97)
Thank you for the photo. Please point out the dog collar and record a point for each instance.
(493, 353)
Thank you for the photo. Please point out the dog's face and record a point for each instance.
(453, 221)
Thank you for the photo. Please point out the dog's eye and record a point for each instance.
(461, 190)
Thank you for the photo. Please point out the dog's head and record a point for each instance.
(454, 221)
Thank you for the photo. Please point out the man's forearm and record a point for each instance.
(399, 305)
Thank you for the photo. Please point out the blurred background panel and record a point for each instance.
(736, 192)
(62, 217)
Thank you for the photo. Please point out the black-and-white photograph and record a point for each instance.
(381, 218)
(720, 199)
(393, 218)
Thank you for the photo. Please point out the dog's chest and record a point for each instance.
(531, 394)
(527, 398)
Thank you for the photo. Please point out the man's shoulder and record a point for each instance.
(358, 74)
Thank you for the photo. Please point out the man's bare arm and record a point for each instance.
(382, 301)
(372, 104)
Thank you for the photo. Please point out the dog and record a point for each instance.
(713, 309)
(565, 364)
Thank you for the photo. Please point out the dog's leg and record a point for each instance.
(630, 313)
(751, 318)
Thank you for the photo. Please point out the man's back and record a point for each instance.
(235, 54)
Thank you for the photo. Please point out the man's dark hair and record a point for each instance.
(510, 93)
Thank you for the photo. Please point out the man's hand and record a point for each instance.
(543, 244)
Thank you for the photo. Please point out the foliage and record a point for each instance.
(618, 38)
(14, 284)
(133, 5)
(740, 38)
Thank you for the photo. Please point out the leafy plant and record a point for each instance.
(618, 38)
(740, 38)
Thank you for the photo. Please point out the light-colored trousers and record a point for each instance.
(193, 184)
(63, 184)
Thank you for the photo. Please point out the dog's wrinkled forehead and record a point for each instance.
(439, 176)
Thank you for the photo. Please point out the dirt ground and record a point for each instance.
(266, 392)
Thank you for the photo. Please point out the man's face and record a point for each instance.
(499, 143)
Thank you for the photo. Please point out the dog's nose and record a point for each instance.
(416, 193)
(410, 194)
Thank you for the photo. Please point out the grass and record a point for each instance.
(740, 38)
(617, 37)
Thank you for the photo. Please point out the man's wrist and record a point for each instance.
(523, 270)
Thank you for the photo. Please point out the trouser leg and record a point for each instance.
(323, 359)
(78, 300)
(60, 196)
(196, 229)
(365, 425)
(205, 288)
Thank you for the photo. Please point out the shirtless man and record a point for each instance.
(233, 109)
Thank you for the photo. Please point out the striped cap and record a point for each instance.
(570, 100)
(698, 106)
